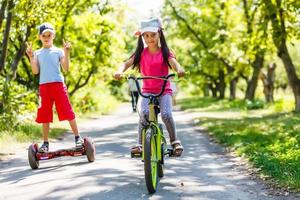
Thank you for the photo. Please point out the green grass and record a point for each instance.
(271, 141)
(29, 132)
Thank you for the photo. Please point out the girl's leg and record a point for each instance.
(166, 115)
(137, 149)
(144, 112)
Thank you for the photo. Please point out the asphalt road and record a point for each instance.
(204, 172)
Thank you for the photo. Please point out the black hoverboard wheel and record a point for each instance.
(33, 162)
(90, 149)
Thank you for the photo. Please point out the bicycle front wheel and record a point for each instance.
(150, 160)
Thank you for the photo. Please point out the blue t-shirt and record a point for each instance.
(49, 64)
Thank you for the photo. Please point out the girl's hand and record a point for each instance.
(29, 50)
(67, 46)
(180, 72)
(118, 75)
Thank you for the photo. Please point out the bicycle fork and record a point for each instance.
(159, 140)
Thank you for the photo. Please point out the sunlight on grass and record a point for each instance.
(268, 137)
(26, 133)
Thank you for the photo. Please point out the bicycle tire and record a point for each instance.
(161, 167)
(150, 161)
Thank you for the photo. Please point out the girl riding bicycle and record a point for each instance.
(154, 60)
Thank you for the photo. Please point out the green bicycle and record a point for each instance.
(154, 144)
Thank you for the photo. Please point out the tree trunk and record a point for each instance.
(268, 82)
(252, 84)
(6, 34)
(222, 84)
(291, 72)
(20, 53)
(206, 90)
(2, 12)
(213, 90)
(233, 83)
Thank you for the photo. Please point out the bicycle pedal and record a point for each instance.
(136, 155)
(170, 152)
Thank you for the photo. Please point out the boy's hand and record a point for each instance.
(29, 50)
(67, 46)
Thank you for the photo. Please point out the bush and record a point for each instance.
(255, 104)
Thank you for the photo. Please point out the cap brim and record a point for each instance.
(48, 30)
(149, 29)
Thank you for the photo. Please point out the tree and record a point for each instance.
(279, 12)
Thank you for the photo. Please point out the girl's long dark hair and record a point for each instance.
(140, 47)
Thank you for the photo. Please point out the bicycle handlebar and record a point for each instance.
(164, 78)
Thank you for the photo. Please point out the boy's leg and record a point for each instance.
(73, 125)
(78, 139)
(44, 114)
(45, 146)
(46, 128)
(65, 110)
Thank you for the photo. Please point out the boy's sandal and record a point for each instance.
(136, 149)
(177, 148)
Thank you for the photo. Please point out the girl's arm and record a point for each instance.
(123, 68)
(176, 67)
(65, 60)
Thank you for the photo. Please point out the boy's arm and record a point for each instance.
(65, 60)
(176, 67)
(34, 65)
(33, 59)
(124, 67)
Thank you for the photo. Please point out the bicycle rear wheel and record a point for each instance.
(150, 160)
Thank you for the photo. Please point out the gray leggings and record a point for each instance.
(165, 103)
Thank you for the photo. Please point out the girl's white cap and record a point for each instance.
(150, 25)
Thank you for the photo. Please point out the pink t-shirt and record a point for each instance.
(153, 65)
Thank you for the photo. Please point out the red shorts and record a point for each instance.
(57, 93)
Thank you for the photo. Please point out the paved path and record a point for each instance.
(204, 172)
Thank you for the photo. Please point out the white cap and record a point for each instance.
(151, 25)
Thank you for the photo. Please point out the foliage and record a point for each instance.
(231, 38)
(17, 101)
(94, 31)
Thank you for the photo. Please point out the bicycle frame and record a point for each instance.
(151, 171)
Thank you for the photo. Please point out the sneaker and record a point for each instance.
(78, 142)
(44, 148)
